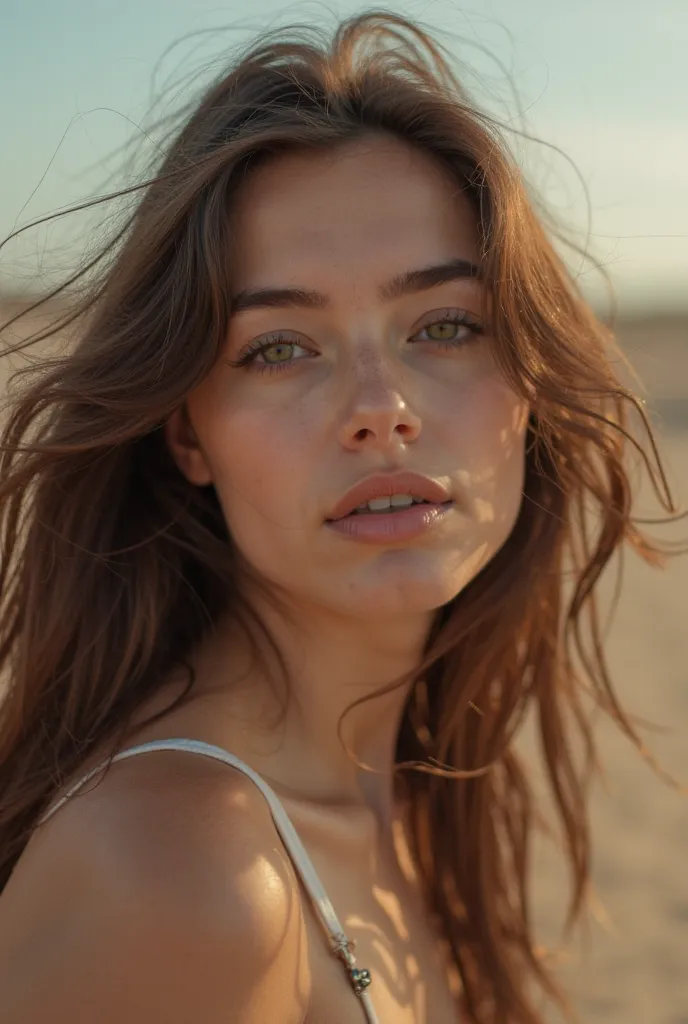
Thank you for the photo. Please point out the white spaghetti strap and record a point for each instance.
(342, 947)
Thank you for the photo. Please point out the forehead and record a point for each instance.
(354, 214)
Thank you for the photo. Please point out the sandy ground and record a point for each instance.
(633, 968)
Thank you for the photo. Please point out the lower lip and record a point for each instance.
(376, 528)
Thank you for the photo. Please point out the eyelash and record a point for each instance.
(248, 357)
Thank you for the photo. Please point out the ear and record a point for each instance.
(185, 448)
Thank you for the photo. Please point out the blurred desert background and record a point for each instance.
(629, 964)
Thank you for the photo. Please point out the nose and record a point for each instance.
(379, 417)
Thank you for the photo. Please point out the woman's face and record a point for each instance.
(371, 375)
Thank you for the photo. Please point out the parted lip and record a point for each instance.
(384, 485)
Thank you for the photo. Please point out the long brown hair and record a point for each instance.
(113, 566)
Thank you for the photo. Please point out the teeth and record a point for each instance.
(383, 504)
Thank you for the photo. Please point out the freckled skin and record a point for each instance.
(358, 396)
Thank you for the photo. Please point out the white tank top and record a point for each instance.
(342, 947)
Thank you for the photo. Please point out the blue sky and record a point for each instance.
(606, 81)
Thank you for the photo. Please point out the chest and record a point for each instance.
(409, 982)
(383, 913)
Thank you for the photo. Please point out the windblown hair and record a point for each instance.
(113, 566)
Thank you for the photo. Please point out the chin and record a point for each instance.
(408, 586)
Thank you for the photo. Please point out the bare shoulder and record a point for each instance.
(162, 893)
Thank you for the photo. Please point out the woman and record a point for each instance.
(309, 514)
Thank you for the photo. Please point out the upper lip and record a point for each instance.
(384, 485)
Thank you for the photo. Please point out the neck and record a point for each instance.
(291, 737)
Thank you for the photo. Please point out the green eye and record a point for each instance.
(443, 331)
(452, 329)
(268, 355)
(282, 351)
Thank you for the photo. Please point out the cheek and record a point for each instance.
(258, 456)
(489, 429)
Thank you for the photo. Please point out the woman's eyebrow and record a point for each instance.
(403, 284)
